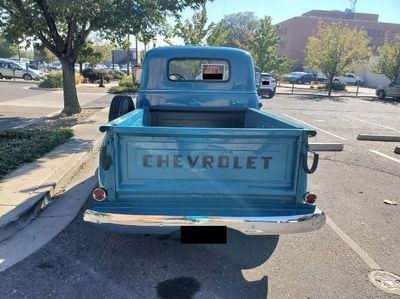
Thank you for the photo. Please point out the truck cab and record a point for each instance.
(196, 150)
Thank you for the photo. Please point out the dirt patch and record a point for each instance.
(66, 121)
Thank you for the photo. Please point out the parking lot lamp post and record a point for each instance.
(101, 79)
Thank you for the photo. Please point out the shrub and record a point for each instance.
(337, 85)
(117, 74)
(52, 80)
(95, 75)
(19, 146)
(123, 89)
(78, 78)
(126, 81)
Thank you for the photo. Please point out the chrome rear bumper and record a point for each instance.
(247, 225)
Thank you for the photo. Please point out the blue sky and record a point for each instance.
(280, 10)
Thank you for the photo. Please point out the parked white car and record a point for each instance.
(267, 85)
(114, 67)
(349, 78)
(10, 69)
(391, 90)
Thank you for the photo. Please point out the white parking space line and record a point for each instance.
(312, 126)
(371, 123)
(384, 155)
(353, 245)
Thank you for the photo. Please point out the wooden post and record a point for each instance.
(358, 86)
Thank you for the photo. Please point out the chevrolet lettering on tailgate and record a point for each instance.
(205, 162)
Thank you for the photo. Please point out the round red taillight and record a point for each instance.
(99, 194)
(310, 198)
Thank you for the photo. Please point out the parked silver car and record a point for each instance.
(10, 69)
(391, 90)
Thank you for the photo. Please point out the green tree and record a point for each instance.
(336, 49)
(88, 54)
(23, 53)
(193, 32)
(7, 49)
(233, 30)
(64, 26)
(42, 54)
(389, 59)
(263, 46)
(257, 36)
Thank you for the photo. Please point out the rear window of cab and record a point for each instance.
(192, 69)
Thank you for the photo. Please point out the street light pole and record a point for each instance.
(137, 51)
(128, 58)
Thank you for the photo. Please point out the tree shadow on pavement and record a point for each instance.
(319, 98)
(388, 101)
(8, 122)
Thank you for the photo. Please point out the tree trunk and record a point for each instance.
(80, 68)
(71, 103)
(330, 86)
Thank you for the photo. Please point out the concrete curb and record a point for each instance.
(326, 147)
(397, 150)
(23, 82)
(52, 220)
(387, 138)
(47, 89)
(23, 214)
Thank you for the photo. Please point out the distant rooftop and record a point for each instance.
(336, 14)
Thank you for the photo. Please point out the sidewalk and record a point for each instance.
(26, 191)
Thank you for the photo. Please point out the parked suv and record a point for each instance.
(300, 77)
(390, 90)
(267, 85)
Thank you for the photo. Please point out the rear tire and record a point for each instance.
(1, 76)
(27, 77)
(120, 105)
(271, 94)
(381, 95)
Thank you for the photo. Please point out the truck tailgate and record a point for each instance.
(203, 162)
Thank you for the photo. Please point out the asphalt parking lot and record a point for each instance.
(20, 105)
(334, 262)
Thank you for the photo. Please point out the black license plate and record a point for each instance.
(203, 234)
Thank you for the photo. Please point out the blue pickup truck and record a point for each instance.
(197, 151)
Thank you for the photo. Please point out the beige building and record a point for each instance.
(295, 31)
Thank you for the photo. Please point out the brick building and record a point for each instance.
(295, 31)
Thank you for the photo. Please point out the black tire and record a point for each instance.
(358, 83)
(27, 77)
(120, 105)
(271, 94)
(1, 76)
(381, 94)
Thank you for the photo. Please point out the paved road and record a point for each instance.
(20, 105)
(85, 261)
